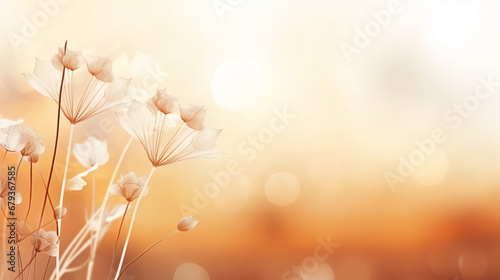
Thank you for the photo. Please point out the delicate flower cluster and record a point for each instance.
(170, 132)
(86, 92)
(16, 137)
(85, 86)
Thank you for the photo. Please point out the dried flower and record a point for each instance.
(130, 187)
(72, 60)
(33, 146)
(45, 241)
(12, 138)
(165, 138)
(186, 223)
(86, 91)
(193, 116)
(60, 212)
(91, 152)
(163, 102)
(101, 68)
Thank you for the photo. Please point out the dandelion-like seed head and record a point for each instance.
(167, 138)
(87, 91)
(130, 187)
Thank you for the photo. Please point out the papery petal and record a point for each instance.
(117, 90)
(101, 68)
(206, 139)
(77, 183)
(91, 152)
(163, 102)
(45, 79)
(12, 139)
(72, 60)
(6, 122)
(193, 116)
(52, 250)
(137, 121)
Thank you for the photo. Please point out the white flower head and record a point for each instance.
(70, 59)
(33, 146)
(101, 68)
(163, 102)
(130, 187)
(92, 152)
(186, 223)
(12, 137)
(45, 242)
(60, 212)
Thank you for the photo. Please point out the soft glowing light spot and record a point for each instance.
(238, 84)
(433, 171)
(282, 189)
(190, 271)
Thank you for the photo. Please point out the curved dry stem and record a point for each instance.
(55, 143)
(104, 203)
(147, 250)
(61, 198)
(118, 238)
(124, 250)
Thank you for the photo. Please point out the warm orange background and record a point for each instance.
(352, 122)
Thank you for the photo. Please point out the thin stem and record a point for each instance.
(31, 192)
(3, 160)
(34, 267)
(104, 203)
(61, 198)
(55, 143)
(46, 267)
(93, 192)
(147, 250)
(124, 250)
(19, 254)
(27, 265)
(118, 238)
